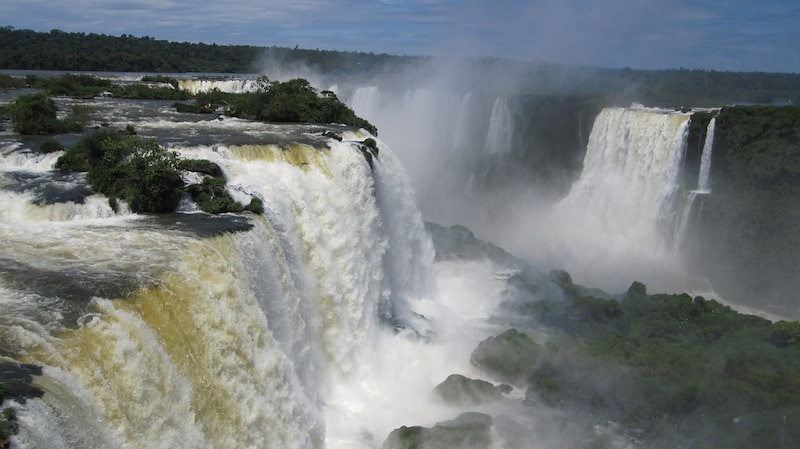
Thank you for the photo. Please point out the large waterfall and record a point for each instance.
(192, 331)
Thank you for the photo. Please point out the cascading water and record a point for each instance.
(366, 101)
(704, 180)
(237, 86)
(443, 137)
(619, 216)
(498, 138)
(162, 332)
(703, 187)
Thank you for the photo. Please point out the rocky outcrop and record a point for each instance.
(469, 430)
(461, 390)
(511, 356)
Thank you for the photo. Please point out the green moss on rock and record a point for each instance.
(469, 430)
(461, 390)
(511, 356)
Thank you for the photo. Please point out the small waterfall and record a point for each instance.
(704, 180)
(237, 86)
(703, 187)
(464, 119)
(498, 138)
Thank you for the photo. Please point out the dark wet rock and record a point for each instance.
(202, 225)
(511, 356)
(413, 325)
(459, 243)
(50, 187)
(461, 390)
(469, 430)
(16, 379)
(203, 166)
(73, 284)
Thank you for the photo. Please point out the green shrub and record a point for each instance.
(211, 196)
(9, 414)
(145, 92)
(201, 166)
(128, 167)
(294, 101)
(34, 114)
(5, 431)
(785, 333)
(256, 206)
(87, 152)
(511, 356)
(71, 85)
(51, 146)
(10, 82)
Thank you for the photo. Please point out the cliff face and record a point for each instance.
(746, 233)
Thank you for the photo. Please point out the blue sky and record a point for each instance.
(731, 35)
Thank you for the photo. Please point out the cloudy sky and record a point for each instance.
(735, 35)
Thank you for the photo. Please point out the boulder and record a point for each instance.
(511, 356)
(469, 430)
(461, 390)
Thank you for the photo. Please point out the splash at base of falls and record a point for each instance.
(237, 337)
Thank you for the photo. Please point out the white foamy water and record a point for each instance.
(278, 336)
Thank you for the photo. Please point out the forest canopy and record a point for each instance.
(677, 88)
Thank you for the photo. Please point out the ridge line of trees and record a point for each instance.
(59, 50)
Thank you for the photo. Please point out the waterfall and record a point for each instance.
(631, 167)
(620, 214)
(237, 86)
(703, 187)
(498, 138)
(704, 179)
(365, 101)
(155, 334)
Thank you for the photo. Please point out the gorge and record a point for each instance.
(328, 320)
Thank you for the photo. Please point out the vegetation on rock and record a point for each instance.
(657, 363)
(461, 390)
(89, 86)
(468, 431)
(37, 114)
(147, 176)
(507, 356)
(293, 101)
(369, 148)
(754, 208)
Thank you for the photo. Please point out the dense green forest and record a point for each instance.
(746, 233)
(58, 50)
(682, 371)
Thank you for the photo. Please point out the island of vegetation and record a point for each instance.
(124, 166)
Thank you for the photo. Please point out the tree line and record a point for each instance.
(59, 50)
